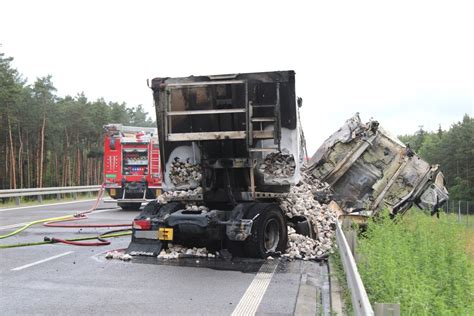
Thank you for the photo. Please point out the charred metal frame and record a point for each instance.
(163, 93)
(369, 169)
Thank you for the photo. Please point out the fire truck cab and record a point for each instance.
(131, 165)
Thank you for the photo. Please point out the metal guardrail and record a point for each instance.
(17, 193)
(360, 300)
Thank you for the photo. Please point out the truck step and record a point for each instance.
(263, 119)
(264, 149)
(267, 134)
(263, 106)
(127, 200)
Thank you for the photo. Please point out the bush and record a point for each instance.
(420, 262)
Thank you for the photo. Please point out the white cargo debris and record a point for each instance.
(178, 251)
(182, 194)
(306, 248)
(196, 208)
(120, 255)
(142, 253)
(185, 173)
(278, 165)
(301, 201)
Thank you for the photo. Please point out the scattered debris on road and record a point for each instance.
(178, 251)
(118, 254)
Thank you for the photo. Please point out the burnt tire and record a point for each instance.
(130, 206)
(269, 232)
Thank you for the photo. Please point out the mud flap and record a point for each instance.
(306, 229)
(144, 247)
(303, 226)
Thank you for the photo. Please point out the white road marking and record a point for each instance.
(12, 226)
(253, 296)
(42, 261)
(43, 205)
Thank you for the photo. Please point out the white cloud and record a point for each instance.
(403, 63)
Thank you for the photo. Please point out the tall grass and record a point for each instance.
(420, 262)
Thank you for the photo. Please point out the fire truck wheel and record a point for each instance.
(130, 206)
(269, 232)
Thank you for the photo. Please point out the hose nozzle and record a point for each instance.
(49, 239)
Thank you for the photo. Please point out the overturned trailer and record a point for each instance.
(368, 170)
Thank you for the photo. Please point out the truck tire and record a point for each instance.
(130, 206)
(269, 232)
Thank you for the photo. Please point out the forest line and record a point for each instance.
(48, 140)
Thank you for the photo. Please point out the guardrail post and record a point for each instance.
(74, 196)
(58, 196)
(467, 213)
(459, 212)
(17, 201)
(351, 238)
(40, 198)
(385, 309)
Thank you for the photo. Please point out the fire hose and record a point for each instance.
(57, 222)
(73, 241)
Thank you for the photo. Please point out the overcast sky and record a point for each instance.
(405, 64)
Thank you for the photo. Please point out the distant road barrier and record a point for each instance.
(39, 192)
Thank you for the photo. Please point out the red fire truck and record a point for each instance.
(131, 165)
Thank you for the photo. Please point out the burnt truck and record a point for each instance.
(215, 132)
(369, 170)
(221, 141)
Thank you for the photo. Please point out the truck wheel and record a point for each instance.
(130, 206)
(269, 231)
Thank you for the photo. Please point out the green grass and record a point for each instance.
(420, 262)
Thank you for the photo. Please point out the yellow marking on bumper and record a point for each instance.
(165, 233)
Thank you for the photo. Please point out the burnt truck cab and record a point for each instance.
(369, 170)
(218, 136)
(131, 165)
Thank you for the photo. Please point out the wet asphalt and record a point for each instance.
(58, 279)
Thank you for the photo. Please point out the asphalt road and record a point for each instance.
(58, 279)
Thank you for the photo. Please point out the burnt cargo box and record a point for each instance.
(222, 129)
